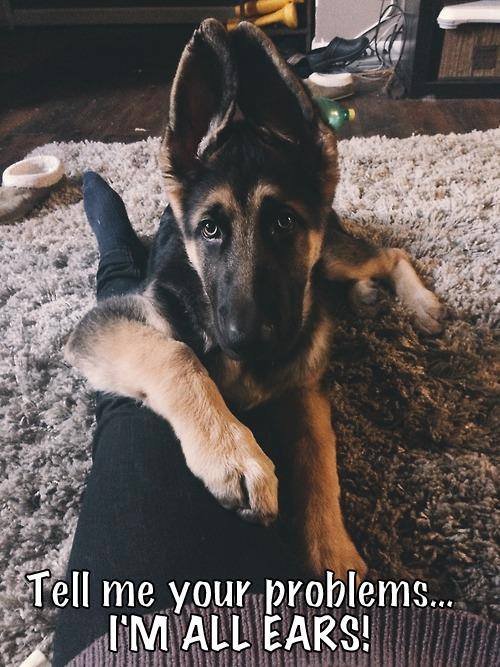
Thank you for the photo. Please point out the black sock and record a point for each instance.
(108, 218)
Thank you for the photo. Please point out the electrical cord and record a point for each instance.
(391, 24)
(382, 37)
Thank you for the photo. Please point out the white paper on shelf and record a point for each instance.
(483, 11)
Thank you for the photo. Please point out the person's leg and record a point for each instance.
(122, 257)
(144, 516)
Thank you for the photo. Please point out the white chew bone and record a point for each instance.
(41, 171)
(35, 659)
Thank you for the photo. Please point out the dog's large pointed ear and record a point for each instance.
(269, 93)
(202, 100)
(271, 96)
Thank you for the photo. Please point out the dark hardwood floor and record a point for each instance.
(112, 84)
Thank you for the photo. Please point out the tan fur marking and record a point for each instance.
(174, 195)
(154, 318)
(330, 171)
(315, 485)
(307, 300)
(261, 191)
(194, 257)
(317, 354)
(172, 186)
(379, 266)
(315, 246)
(315, 242)
(222, 194)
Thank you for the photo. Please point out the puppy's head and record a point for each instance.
(250, 171)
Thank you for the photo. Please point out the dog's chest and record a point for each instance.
(237, 384)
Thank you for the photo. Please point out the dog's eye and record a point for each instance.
(285, 221)
(210, 230)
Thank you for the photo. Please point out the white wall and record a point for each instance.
(344, 18)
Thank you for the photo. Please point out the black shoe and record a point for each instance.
(338, 51)
(328, 57)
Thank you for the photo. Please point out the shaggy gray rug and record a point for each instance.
(415, 416)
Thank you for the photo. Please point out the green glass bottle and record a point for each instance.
(334, 113)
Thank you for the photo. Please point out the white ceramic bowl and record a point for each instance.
(41, 171)
(331, 80)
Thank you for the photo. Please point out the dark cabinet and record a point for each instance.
(448, 63)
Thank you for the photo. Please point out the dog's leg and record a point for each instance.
(306, 429)
(120, 352)
(347, 258)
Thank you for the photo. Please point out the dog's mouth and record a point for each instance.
(260, 351)
(254, 353)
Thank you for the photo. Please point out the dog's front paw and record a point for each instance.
(331, 548)
(364, 296)
(339, 558)
(424, 306)
(428, 313)
(240, 475)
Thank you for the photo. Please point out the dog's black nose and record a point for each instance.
(246, 334)
(241, 334)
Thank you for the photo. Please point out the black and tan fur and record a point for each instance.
(238, 315)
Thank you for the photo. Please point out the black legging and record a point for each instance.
(144, 515)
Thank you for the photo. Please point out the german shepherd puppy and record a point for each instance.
(234, 309)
